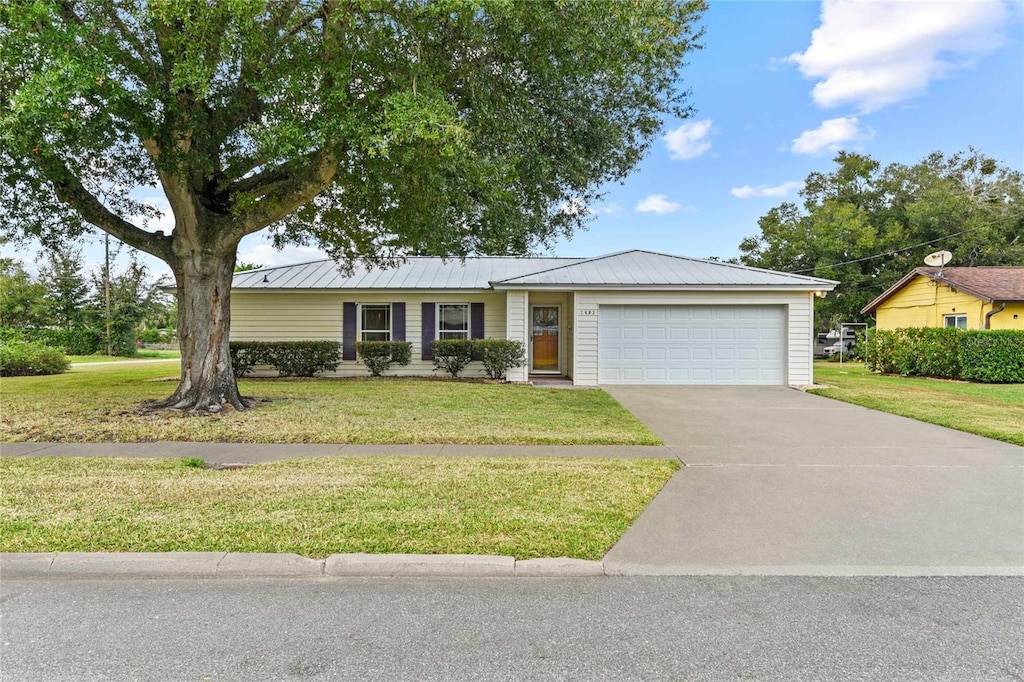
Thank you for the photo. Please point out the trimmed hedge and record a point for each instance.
(452, 355)
(30, 358)
(71, 341)
(378, 356)
(993, 357)
(989, 356)
(289, 358)
(499, 355)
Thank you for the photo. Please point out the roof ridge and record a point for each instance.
(579, 261)
(440, 258)
(664, 255)
(738, 266)
(278, 267)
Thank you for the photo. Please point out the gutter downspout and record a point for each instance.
(1001, 308)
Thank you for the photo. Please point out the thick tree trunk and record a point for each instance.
(204, 319)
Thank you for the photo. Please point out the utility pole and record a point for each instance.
(106, 290)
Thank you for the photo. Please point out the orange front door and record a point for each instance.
(545, 338)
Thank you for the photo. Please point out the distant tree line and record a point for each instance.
(867, 225)
(64, 296)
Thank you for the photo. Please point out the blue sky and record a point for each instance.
(778, 89)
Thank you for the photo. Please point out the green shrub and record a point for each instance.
(289, 358)
(30, 358)
(931, 352)
(993, 356)
(245, 355)
(378, 356)
(990, 356)
(306, 358)
(71, 341)
(878, 349)
(499, 355)
(452, 355)
(154, 336)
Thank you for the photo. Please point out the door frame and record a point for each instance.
(561, 326)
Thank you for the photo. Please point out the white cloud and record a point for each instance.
(658, 203)
(267, 256)
(873, 54)
(777, 191)
(831, 136)
(689, 140)
(609, 209)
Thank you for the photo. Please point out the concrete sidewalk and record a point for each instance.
(253, 453)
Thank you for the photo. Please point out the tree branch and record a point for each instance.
(282, 189)
(69, 189)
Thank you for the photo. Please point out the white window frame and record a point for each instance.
(361, 331)
(469, 322)
(956, 317)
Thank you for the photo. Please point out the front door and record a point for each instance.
(544, 337)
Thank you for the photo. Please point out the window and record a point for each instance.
(958, 321)
(375, 322)
(453, 320)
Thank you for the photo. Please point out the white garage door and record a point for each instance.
(691, 345)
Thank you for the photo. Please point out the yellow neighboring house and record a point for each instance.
(967, 298)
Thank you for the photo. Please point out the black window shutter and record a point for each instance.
(398, 322)
(348, 331)
(476, 320)
(429, 322)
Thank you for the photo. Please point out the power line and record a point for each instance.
(893, 252)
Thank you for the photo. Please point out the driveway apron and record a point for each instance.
(780, 481)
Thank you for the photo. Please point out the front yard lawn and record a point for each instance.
(991, 410)
(100, 403)
(526, 508)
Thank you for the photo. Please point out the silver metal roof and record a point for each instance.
(415, 273)
(646, 268)
(628, 268)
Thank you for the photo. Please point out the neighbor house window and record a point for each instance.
(375, 322)
(453, 320)
(957, 321)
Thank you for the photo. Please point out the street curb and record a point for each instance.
(402, 565)
(243, 565)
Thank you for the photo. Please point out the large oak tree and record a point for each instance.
(370, 128)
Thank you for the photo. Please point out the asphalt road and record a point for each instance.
(706, 628)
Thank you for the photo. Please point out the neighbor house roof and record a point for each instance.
(988, 283)
(628, 268)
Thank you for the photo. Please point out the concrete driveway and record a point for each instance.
(781, 482)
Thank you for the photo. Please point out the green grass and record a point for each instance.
(140, 355)
(991, 410)
(99, 403)
(315, 507)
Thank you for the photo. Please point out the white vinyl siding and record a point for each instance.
(697, 345)
(303, 314)
(516, 326)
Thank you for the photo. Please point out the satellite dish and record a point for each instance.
(938, 259)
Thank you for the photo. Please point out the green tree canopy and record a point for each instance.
(134, 299)
(370, 128)
(867, 225)
(22, 299)
(67, 289)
